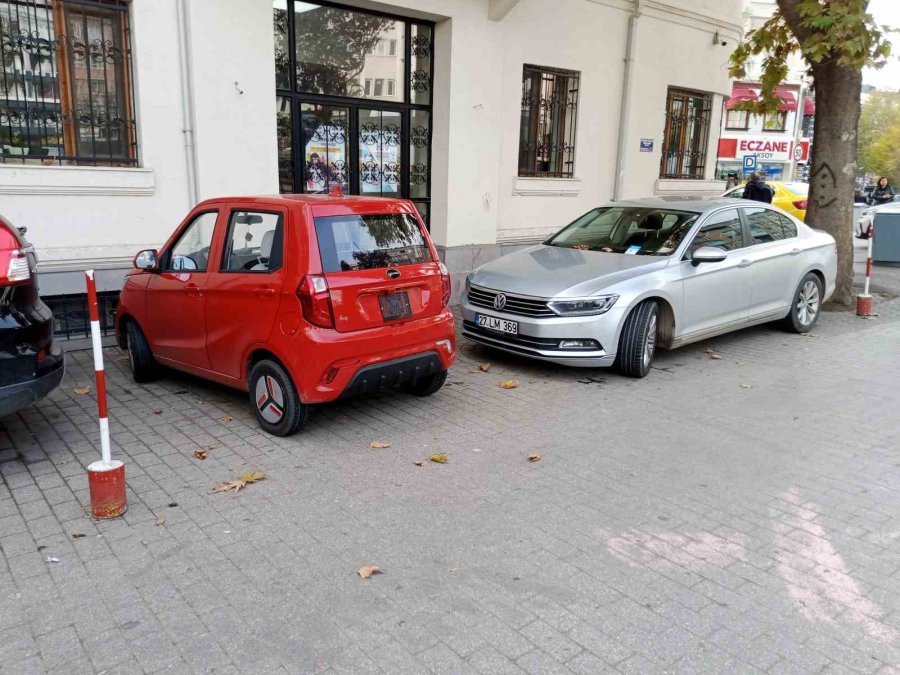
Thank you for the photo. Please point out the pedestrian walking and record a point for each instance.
(883, 192)
(757, 189)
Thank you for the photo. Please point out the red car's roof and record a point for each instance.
(317, 200)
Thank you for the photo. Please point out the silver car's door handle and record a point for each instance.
(745, 263)
(795, 251)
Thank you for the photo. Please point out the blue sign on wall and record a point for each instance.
(646, 145)
(749, 163)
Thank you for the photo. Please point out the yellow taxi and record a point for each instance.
(790, 197)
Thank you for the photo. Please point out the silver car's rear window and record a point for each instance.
(629, 230)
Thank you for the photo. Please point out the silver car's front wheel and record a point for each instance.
(806, 305)
(637, 343)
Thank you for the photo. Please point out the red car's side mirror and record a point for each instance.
(147, 259)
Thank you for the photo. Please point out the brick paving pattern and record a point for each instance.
(733, 515)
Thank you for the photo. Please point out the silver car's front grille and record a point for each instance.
(515, 304)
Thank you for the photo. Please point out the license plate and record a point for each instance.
(394, 306)
(497, 324)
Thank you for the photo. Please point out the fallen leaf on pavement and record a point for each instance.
(534, 457)
(78, 535)
(484, 367)
(746, 386)
(238, 483)
(81, 390)
(200, 454)
(714, 356)
(226, 418)
(52, 560)
(419, 462)
(439, 458)
(509, 384)
(808, 335)
(160, 522)
(454, 570)
(367, 571)
(379, 445)
(158, 411)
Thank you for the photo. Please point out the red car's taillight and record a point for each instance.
(445, 285)
(316, 301)
(800, 204)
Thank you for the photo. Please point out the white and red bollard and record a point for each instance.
(106, 478)
(864, 301)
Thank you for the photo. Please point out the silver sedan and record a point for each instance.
(633, 276)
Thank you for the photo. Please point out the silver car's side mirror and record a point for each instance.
(147, 260)
(708, 254)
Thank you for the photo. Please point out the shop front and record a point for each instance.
(354, 96)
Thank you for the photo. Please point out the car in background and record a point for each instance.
(31, 364)
(632, 276)
(790, 197)
(296, 299)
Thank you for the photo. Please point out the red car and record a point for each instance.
(298, 299)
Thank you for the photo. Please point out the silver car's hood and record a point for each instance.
(552, 271)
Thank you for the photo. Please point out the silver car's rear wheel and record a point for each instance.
(806, 306)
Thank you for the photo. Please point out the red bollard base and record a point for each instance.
(863, 305)
(107, 484)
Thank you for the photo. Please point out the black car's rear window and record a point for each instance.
(365, 242)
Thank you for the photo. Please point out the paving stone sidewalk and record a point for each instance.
(732, 515)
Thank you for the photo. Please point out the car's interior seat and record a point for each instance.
(649, 229)
(265, 252)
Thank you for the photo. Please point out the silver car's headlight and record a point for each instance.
(583, 306)
(468, 284)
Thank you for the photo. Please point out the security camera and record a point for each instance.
(723, 43)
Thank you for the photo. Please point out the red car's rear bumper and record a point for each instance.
(326, 364)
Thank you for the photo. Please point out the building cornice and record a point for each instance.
(18, 179)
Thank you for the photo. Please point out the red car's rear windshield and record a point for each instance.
(365, 242)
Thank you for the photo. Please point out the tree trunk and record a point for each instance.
(833, 175)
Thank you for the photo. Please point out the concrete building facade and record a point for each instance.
(502, 119)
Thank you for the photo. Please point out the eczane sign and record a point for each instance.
(765, 148)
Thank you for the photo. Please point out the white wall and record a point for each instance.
(237, 152)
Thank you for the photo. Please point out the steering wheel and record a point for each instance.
(250, 264)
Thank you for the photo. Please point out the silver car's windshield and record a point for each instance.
(630, 230)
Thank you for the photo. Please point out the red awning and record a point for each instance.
(788, 100)
(740, 96)
(809, 106)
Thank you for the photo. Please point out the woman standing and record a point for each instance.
(883, 192)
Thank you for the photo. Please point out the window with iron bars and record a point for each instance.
(547, 127)
(686, 135)
(65, 83)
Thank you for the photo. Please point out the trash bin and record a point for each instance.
(886, 244)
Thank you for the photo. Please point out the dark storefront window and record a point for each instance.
(354, 101)
(548, 121)
(65, 83)
(686, 135)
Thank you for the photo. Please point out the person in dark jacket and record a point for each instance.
(757, 189)
(883, 192)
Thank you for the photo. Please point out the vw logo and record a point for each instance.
(499, 301)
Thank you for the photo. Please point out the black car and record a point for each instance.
(31, 365)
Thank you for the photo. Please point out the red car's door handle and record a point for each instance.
(192, 289)
(265, 292)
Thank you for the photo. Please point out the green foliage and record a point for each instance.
(823, 31)
(879, 135)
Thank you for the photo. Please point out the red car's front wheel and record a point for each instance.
(274, 398)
